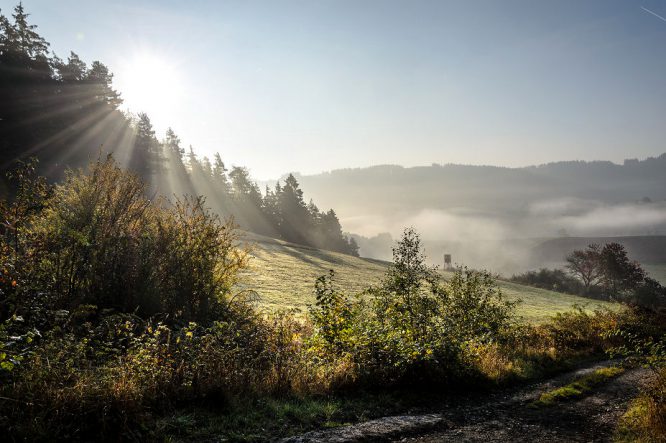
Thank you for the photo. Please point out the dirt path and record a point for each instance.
(505, 416)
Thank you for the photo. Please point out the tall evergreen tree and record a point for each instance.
(172, 145)
(207, 168)
(193, 163)
(243, 188)
(270, 209)
(220, 174)
(99, 79)
(175, 179)
(146, 157)
(75, 70)
(23, 37)
(296, 222)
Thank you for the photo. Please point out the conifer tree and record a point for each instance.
(24, 38)
(192, 161)
(172, 146)
(270, 209)
(100, 80)
(146, 156)
(207, 168)
(75, 70)
(296, 222)
(220, 174)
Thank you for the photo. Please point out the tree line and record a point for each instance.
(602, 272)
(66, 113)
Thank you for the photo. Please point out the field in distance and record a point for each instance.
(283, 274)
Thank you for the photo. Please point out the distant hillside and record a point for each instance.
(645, 249)
(515, 255)
(396, 188)
(489, 216)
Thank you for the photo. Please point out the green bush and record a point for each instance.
(413, 328)
(98, 240)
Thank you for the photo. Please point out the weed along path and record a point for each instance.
(588, 403)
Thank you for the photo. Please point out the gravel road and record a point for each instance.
(504, 416)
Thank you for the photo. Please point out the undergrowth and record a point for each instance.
(119, 321)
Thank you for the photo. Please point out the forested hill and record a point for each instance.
(444, 186)
(480, 213)
(644, 249)
(66, 113)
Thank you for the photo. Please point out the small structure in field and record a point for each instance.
(447, 261)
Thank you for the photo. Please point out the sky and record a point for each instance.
(307, 86)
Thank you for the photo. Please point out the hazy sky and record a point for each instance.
(316, 85)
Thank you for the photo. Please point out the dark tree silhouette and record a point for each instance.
(62, 113)
(66, 114)
(618, 273)
(585, 264)
(147, 159)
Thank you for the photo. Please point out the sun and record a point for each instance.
(149, 83)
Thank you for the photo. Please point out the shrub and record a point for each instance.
(413, 328)
(98, 240)
(332, 316)
(650, 293)
(552, 279)
(645, 420)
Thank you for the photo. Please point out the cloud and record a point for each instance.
(619, 218)
(437, 224)
(562, 206)
(502, 241)
(433, 224)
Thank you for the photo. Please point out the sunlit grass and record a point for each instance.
(579, 387)
(283, 274)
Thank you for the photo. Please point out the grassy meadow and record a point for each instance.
(283, 275)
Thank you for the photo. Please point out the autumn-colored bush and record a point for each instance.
(97, 239)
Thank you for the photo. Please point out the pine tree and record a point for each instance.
(333, 238)
(207, 168)
(193, 162)
(24, 36)
(5, 35)
(270, 209)
(244, 190)
(296, 222)
(220, 174)
(146, 156)
(100, 80)
(172, 145)
(75, 70)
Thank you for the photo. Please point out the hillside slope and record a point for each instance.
(283, 275)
